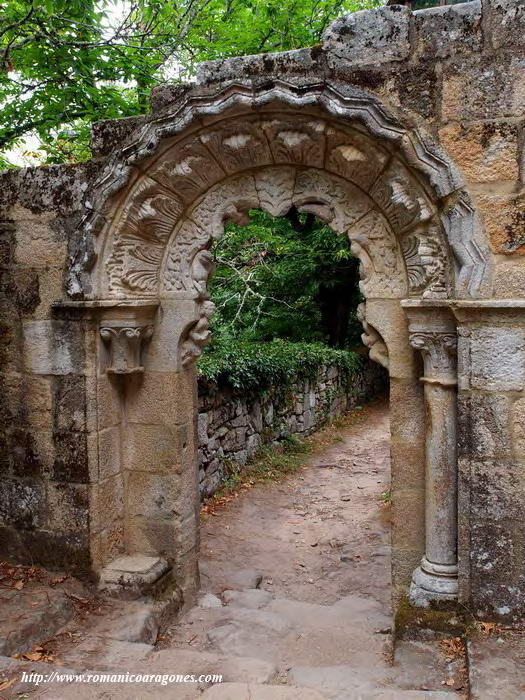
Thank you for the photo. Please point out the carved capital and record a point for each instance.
(124, 341)
(439, 349)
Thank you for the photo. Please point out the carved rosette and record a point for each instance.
(439, 351)
(124, 342)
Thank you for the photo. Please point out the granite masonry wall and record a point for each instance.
(232, 426)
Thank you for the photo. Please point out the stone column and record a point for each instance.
(436, 578)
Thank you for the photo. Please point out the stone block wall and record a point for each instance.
(232, 426)
(46, 427)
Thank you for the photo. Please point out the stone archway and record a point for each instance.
(159, 204)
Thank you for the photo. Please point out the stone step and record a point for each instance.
(496, 666)
(104, 654)
(31, 616)
(289, 632)
(135, 576)
(244, 691)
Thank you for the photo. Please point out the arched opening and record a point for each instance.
(162, 203)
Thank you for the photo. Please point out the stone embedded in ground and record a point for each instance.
(245, 691)
(208, 600)
(30, 616)
(233, 668)
(425, 665)
(15, 668)
(132, 622)
(496, 666)
(338, 678)
(106, 654)
(133, 576)
(251, 598)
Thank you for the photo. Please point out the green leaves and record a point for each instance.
(67, 63)
(271, 280)
(257, 366)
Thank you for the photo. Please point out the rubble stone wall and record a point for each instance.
(232, 426)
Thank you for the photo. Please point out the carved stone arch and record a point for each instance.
(145, 191)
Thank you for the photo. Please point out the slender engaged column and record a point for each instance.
(436, 578)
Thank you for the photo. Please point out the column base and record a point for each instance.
(433, 583)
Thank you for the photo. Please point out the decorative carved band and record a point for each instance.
(124, 343)
(147, 243)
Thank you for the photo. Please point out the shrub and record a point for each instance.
(257, 366)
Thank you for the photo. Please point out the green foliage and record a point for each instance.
(277, 280)
(257, 366)
(67, 63)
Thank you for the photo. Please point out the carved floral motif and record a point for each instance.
(297, 141)
(381, 266)
(400, 198)
(332, 199)
(353, 156)
(439, 349)
(188, 170)
(124, 343)
(275, 188)
(238, 145)
(140, 239)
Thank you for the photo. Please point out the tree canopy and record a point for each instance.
(290, 277)
(67, 63)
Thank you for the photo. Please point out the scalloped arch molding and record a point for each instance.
(328, 149)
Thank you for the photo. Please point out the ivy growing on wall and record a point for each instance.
(256, 366)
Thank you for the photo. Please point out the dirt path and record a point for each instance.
(321, 534)
(295, 598)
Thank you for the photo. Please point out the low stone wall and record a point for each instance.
(233, 426)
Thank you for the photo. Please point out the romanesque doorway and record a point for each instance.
(342, 158)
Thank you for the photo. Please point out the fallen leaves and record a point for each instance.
(453, 648)
(488, 628)
(17, 577)
(7, 684)
(37, 653)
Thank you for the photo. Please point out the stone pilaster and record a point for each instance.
(434, 336)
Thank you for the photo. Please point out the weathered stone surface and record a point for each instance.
(252, 599)
(107, 654)
(445, 31)
(372, 37)
(31, 616)
(495, 668)
(135, 622)
(132, 576)
(245, 691)
(487, 152)
(503, 214)
(506, 23)
(497, 359)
